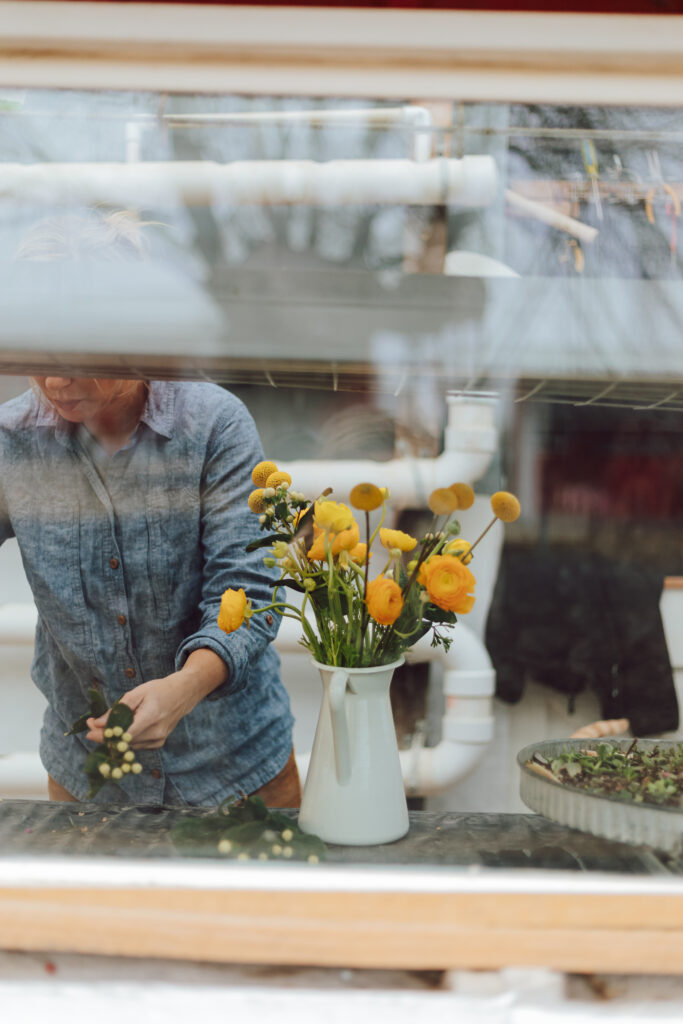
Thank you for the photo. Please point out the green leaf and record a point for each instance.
(264, 542)
(120, 715)
(98, 704)
(433, 614)
(79, 725)
(292, 584)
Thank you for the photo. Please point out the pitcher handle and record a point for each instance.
(340, 727)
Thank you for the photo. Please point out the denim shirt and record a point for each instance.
(127, 557)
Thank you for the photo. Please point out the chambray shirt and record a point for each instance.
(127, 556)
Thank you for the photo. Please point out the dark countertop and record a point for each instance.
(41, 828)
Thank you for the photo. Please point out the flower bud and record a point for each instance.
(117, 731)
(287, 851)
(268, 492)
(313, 858)
(269, 562)
(104, 769)
(224, 846)
(287, 835)
(127, 737)
(309, 584)
(276, 849)
(108, 733)
(136, 768)
(262, 518)
(125, 767)
(116, 773)
(121, 746)
(129, 756)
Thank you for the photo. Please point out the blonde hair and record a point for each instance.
(110, 235)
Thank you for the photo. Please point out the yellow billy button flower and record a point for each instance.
(261, 472)
(442, 501)
(397, 539)
(366, 497)
(332, 516)
(278, 478)
(505, 506)
(464, 494)
(460, 548)
(384, 600)
(448, 583)
(255, 501)
(233, 611)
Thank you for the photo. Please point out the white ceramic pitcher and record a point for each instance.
(354, 793)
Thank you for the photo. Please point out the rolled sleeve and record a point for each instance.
(228, 526)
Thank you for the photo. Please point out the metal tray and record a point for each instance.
(609, 817)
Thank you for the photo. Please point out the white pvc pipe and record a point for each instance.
(414, 117)
(470, 441)
(468, 182)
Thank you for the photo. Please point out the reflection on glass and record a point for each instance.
(491, 296)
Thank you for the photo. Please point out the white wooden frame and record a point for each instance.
(330, 915)
(466, 55)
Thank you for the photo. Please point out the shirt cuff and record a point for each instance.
(237, 676)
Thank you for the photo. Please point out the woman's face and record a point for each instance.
(80, 399)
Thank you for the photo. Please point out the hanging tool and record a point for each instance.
(590, 162)
(673, 205)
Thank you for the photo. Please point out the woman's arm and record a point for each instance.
(159, 704)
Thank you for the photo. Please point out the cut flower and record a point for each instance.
(262, 471)
(448, 583)
(397, 539)
(384, 600)
(332, 516)
(366, 497)
(234, 610)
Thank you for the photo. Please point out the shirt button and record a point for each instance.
(130, 672)
(269, 619)
(121, 619)
(114, 563)
(155, 773)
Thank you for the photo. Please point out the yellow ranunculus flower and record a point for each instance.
(278, 478)
(255, 501)
(366, 497)
(464, 494)
(332, 516)
(459, 547)
(316, 552)
(397, 539)
(357, 554)
(262, 471)
(384, 601)
(448, 582)
(442, 501)
(233, 610)
(505, 506)
(346, 539)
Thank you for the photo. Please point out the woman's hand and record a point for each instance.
(159, 704)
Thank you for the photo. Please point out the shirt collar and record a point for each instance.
(157, 414)
(158, 411)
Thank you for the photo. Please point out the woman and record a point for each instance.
(129, 504)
